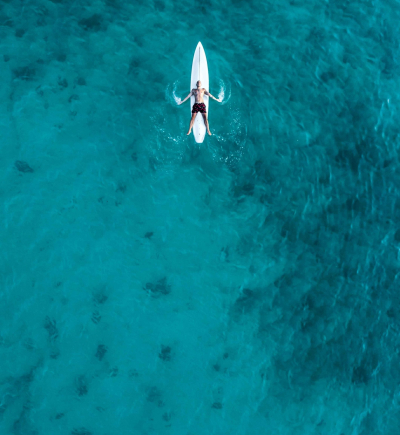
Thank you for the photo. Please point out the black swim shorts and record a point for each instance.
(199, 107)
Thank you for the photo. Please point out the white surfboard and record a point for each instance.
(199, 72)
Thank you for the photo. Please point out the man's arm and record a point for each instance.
(216, 99)
(186, 97)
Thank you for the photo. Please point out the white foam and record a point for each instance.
(170, 95)
(224, 92)
(176, 98)
(221, 93)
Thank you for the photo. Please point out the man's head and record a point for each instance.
(198, 83)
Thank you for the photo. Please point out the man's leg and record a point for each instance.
(192, 122)
(206, 123)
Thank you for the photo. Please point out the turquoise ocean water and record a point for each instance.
(245, 286)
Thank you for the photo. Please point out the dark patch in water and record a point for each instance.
(80, 81)
(167, 416)
(290, 230)
(114, 372)
(23, 426)
(50, 326)
(284, 281)
(17, 388)
(349, 157)
(54, 354)
(356, 205)
(80, 431)
(73, 97)
(96, 317)
(360, 375)
(154, 396)
(115, 4)
(159, 288)
(101, 351)
(81, 386)
(133, 65)
(165, 353)
(99, 297)
(246, 189)
(19, 33)
(121, 188)
(24, 73)
(23, 166)
(159, 5)
(62, 57)
(247, 301)
(7, 21)
(62, 82)
(328, 75)
(93, 23)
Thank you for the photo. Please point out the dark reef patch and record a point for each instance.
(80, 431)
(50, 326)
(161, 287)
(81, 385)
(101, 351)
(23, 166)
(99, 297)
(165, 353)
(24, 73)
(95, 23)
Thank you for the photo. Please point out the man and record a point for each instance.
(199, 105)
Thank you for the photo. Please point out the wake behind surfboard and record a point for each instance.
(199, 72)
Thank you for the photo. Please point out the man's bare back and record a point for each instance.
(199, 105)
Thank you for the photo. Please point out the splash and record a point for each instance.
(176, 98)
(221, 94)
(170, 94)
(224, 93)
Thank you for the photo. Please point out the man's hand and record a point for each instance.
(212, 96)
(185, 98)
